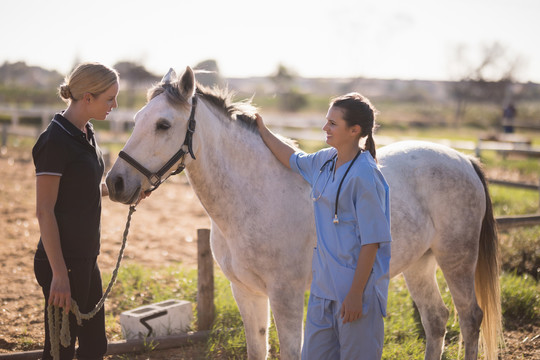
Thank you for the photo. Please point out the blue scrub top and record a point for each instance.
(364, 218)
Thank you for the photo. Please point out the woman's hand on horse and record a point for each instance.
(259, 120)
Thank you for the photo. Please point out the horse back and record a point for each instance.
(436, 197)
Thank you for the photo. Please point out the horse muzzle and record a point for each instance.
(120, 190)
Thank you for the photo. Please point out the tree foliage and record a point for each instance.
(23, 84)
(488, 79)
(207, 73)
(290, 98)
(135, 74)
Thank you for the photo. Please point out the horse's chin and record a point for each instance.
(126, 198)
(134, 197)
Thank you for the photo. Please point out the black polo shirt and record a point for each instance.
(63, 150)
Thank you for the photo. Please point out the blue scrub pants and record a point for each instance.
(327, 338)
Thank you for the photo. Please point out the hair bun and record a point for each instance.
(65, 92)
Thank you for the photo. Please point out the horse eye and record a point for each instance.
(163, 125)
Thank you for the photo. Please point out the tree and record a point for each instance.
(135, 73)
(136, 79)
(290, 98)
(207, 73)
(21, 83)
(488, 80)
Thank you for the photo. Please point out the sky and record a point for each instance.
(387, 39)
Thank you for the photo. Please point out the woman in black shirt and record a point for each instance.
(69, 169)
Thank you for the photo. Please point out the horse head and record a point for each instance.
(157, 144)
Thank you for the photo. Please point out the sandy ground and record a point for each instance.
(163, 231)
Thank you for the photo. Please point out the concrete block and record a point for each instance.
(169, 317)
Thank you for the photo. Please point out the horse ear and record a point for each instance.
(169, 77)
(187, 83)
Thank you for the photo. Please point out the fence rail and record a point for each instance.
(507, 222)
(300, 128)
(117, 119)
(304, 127)
(127, 346)
(514, 184)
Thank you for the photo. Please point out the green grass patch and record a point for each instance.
(513, 201)
(520, 301)
(137, 286)
(520, 251)
(20, 142)
(404, 335)
(521, 165)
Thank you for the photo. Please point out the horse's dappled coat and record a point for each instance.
(263, 232)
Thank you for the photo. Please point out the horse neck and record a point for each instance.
(228, 165)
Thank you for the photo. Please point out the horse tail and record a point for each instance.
(487, 275)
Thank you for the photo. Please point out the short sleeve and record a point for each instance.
(373, 207)
(50, 157)
(308, 165)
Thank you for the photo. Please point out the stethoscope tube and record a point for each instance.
(331, 160)
(336, 219)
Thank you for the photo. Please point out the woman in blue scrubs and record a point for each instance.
(351, 201)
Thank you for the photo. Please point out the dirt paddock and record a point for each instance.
(163, 231)
(151, 242)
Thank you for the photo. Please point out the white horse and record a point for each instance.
(263, 230)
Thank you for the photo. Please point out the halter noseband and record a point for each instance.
(155, 179)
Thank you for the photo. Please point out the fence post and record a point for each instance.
(4, 134)
(205, 283)
(478, 149)
(15, 118)
(45, 118)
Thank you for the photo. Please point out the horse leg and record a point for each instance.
(460, 276)
(422, 284)
(255, 315)
(288, 308)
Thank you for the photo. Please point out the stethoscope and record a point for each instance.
(332, 161)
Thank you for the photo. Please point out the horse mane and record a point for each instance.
(222, 99)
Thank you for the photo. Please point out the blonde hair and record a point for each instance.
(93, 78)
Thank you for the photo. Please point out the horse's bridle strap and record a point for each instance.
(155, 178)
(125, 156)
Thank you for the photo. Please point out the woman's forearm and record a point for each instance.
(366, 259)
(50, 237)
(46, 194)
(281, 150)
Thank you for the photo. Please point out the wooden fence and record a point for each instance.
(300, 128)
(506, 222)
(119, 121)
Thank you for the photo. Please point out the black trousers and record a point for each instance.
(86, 289)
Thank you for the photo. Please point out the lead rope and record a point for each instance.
(59, 333)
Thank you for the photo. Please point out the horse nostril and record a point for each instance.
(119, 185)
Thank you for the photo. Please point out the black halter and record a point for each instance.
(155, 179)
